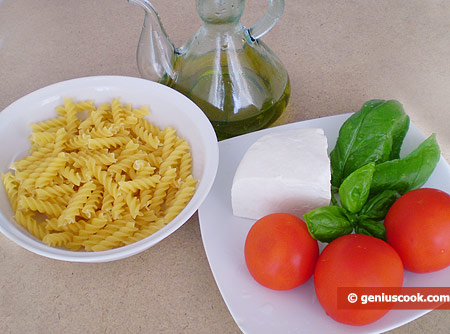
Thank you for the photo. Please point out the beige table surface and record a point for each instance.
(338, 53)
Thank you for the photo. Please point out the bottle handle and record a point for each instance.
(267, 22)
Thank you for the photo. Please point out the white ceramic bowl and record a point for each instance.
(168, 107)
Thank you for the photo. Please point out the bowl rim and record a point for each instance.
(23, 238)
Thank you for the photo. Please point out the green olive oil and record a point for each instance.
(239, 95)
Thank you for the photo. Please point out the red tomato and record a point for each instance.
(355, 260)
(279, 251)
(418, 227)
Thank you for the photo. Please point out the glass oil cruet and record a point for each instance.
(225, 68)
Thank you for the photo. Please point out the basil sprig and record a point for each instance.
(368, 175)
(373, 134)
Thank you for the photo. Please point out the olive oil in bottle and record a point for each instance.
(239, 94)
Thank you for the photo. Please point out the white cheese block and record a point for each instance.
(286, 171)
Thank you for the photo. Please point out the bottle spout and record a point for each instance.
(155, 54)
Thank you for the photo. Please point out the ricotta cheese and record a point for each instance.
(286, 171)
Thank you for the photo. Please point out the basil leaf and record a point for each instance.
(370, 227)
(373, 134)
(378, 206)
(355, 189)
(409, 172)
(399, 130)
(328, 223)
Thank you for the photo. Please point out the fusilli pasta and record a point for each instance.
(98, 178)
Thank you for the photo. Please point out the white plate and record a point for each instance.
(260, 310)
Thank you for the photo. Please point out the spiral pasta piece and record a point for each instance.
(76, 204)
(148, 230)
(102, 131)
(78, 142)
(49, 125)
(71, 116)
(85, 105)
(71, 175)
(174, 157)
(145, 197)
(103, 177)
(51, 224)
(57, 190)
(52, 169)
(107, 204)
(92, 203)
(57, 239)
(149, 126)
(60, 141)
(42, 138)
(126, 163)
(33, 158)
(103, 158)
(118, 207)
(29, 175)
(118, 238)
(161, 190)
(46, 207)
(141, 113)
(117, 112)
(133, 205)
(154, 160)
(139, 184)
(185, 166)
(97, 117)
(171, 193)
(98, 143)
(92, 226)
(146, 136)
(27, 220)
(182, 197)
(12, 189)
(108, 230)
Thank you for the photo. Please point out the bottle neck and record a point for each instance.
(228, 28)
(220, 11)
